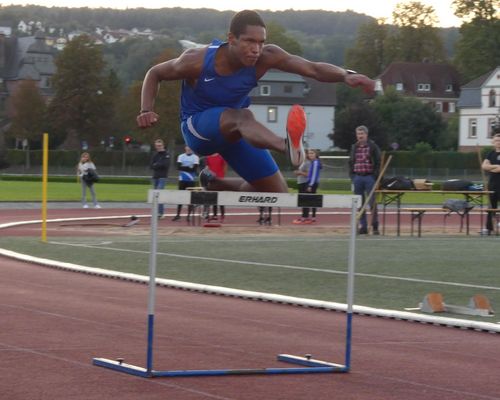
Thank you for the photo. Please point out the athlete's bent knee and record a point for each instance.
(234, 119)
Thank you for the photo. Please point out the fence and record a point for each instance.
(433, 174)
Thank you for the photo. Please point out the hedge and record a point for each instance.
(400, 159)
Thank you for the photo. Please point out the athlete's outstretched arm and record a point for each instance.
(186, 66)
(276, 57)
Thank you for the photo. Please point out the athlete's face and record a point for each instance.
(248, 46)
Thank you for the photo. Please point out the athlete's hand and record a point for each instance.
(359, 80)
(147, 119)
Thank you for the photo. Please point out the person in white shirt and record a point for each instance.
(187, 164)
(85, 168)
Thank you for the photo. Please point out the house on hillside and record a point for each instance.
(479, 107)
(23, 26)
(27, 58)
(435, 84)
(277, 91)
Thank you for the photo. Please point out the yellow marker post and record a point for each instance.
(45, 173)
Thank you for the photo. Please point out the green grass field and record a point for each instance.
(64, 191)
(392, 273)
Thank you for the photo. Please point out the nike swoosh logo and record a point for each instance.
(208, 79)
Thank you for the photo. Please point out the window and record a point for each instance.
(492, 98)
(452, 107)
(45, 82)
(449, 88)
(399, 87)
(472, 128)
(491, 127)
(438, 106)
(265, 90)
(272, 114)
(424, 87)
(288, 88)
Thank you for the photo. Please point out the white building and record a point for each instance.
(23, 26)
(479, 106)
(277, 91)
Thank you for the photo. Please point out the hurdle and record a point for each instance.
(306, 364)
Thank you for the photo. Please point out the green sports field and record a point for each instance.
(392, 273)
(134, 192)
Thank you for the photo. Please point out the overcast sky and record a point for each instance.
(380, 8)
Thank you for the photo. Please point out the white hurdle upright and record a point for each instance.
(242, 199)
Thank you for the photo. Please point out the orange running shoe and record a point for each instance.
(295, 127)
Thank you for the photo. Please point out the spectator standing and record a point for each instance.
(159, 164)
(364, 166)
(302, 173)
(491, 164)
(187, 164)
(308, 180)
(218, 166)
(85, 170)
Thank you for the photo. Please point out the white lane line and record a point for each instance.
(284, 266)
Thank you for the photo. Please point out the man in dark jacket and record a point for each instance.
(364, 166)
(159, 164)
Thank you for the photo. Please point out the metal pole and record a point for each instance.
(152, 280)
(45, 174)
(350, 281)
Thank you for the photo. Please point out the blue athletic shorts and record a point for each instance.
(202, 134)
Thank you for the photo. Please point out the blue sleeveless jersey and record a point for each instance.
(214, 90)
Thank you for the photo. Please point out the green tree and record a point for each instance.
(448, 139)
(132, 58)
(333, 49)
(81, 108)
(3, 148)
(407, 121)
(480, 10)
(352, 116)
(415, 38)
(29, 120)
(368, 55)
(276, 34)
(166, 105)
(478, 49)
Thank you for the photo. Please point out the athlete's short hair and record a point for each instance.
(242, 19)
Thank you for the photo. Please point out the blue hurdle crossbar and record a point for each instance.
(310, 367)
(308, 364)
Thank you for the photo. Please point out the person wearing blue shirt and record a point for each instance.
(216, 82)
(308, 179)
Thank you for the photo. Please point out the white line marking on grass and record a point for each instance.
(293, 267)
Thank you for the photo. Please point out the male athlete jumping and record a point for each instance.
(215, 118)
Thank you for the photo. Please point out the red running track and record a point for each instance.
(54, 322)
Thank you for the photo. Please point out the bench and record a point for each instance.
(417, 213)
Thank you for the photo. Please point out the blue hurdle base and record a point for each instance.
(310, 366)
